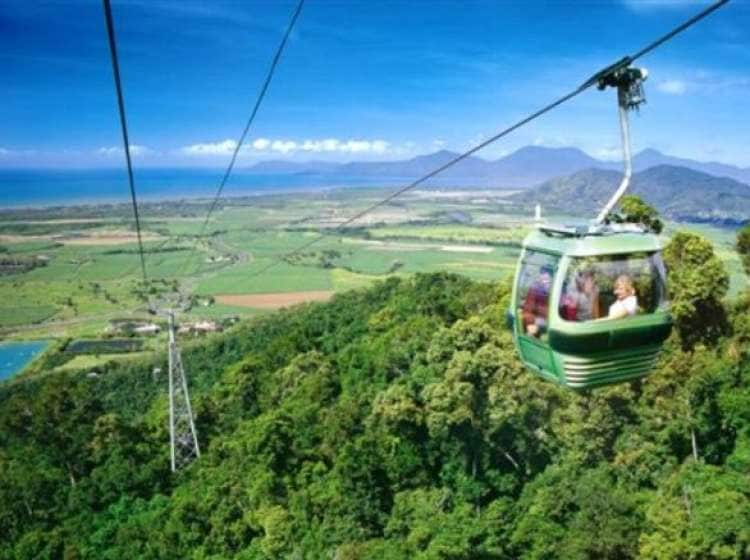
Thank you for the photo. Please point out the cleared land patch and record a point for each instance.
(376, 245)
(456, 233)
(273, 300)
(110, 237)
(465, 249)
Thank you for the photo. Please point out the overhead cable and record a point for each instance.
(679, 29)
(124, 127)
(250, 120)
(593, 80)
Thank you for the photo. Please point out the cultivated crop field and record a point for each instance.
(87, 272)
(454, 233)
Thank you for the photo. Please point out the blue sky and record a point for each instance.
(361, 79)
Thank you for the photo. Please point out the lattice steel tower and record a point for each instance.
(183, 437)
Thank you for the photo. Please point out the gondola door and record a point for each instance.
(533, 303)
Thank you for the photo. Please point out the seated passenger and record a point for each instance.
(627, 302)
(535, 305)
(581, 300)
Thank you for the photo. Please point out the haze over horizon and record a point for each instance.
(359, 83)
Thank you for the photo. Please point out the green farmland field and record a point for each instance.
(453, 233)
(283, 278)
(89, 277)
(25, 314)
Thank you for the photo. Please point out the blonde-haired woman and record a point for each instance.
(627, 302)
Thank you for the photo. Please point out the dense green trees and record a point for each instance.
(743, 247)
(394, 423)
(698, 283)
(633, 209)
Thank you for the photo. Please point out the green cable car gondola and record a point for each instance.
(590, 309)
(589, 304)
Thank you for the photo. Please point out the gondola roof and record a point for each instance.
(589, 244)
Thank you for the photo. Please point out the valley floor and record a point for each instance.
(72, 278)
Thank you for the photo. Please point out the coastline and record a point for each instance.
(44, 189)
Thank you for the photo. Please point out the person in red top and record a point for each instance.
(536, 304)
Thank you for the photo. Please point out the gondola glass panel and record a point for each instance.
(613, 287)
(533, 292)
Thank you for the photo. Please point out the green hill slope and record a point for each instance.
(392, 423)
(679, 193)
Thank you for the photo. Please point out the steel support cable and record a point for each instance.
(594, 80)
(155, 250)
(422, 179)
(258, 102)
(124, 127)
(679, 29)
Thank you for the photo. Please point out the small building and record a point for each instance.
(206, 327)
(128, 326)
(149, 329)
(200, 327)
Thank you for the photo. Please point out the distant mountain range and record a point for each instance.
(524, 168)
(678, 192)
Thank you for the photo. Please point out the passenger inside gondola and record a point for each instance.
(536, 303)
(612, 287)
(626, 304)
(580, 300)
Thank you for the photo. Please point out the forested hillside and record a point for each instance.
(680, 194)
(394, 423)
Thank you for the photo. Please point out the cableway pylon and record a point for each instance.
(183, 438)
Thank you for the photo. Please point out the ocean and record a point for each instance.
(21, 188)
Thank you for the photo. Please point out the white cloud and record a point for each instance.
(360, 146)
(261, 144)
(380, 146)
(311, 146)
(329, 145)
(357, 146)
(672, 87)
(283, 146)
(288, 146)
(224, 147)
(135, 151)
(325, 145)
